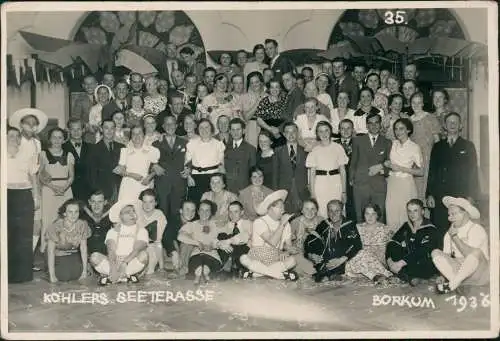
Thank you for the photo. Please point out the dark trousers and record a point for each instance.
(363, 195)
(202, 185)
(80, 188)
(171, 194)
(238, 251)
(439, 216)
(294, 201)
(350, 209)
(421, 268)
(315, 246)
(20, 216)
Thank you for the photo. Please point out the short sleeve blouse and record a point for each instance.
(328, 157)
(303, 124)
(67, 239)
(406, 154)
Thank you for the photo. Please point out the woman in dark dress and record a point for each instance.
(269, 112)
(265, 157)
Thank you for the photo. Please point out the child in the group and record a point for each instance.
(154, 221)
(136, 112)
(126, 245)
(67, 244)
(97, 217)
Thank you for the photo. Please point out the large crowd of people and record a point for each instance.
(251, 169)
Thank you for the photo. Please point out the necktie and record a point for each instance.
(374, 139)
(293, 157)
(124, 105)
(235, 145)
(451, 141)
(236, 230)
(170, 141)
(110, 146)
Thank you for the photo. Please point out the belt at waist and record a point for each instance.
(325, 172)
(253, 119)
(59, 179)
(20, 185)
(400, 174)
(205, 169)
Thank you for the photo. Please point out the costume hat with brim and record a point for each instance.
(115, 210)
(271, 198)
(464, 204)
(16, 118)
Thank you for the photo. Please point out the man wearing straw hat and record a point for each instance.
(270, 235)
(465, 255)
(30, 122)
(126, 243)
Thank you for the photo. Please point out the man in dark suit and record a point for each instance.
(170, 181)
(176, 108)
(346, 129)
(289, 169)
(103, 159)
(121, 102)
(453, 171)
(344, 82)
(80, 150)
(239, 157)
(294, 96)
(279, 64)
(411, 73)
(366, 170)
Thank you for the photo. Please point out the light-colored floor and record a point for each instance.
(244, 305)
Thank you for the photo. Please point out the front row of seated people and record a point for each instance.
(128, 241)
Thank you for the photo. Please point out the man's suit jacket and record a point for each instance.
(363, 157)
(348, 85)
(109, 109)
(293, 100)
(453, 170)
(101, 164)
(237, 162)
(172, 161)
(281, 66)
(80, 185)
(283, 173)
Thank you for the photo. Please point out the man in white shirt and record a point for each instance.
(465, 255)
(233, 241)
(126, 243)
(271, 235)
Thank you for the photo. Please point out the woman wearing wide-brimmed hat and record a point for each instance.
(465, 256)
(271, 234)
(29, 122)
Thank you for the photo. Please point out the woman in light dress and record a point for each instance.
(380, 98)
(249, 102)
(221, 197)
(370, 260)
(342, 111)
(307, 123)
(365, 107)
(150, 133)
(326, 163)
(440, 101)
(405, 163)
(395, 112)
(259, 54)
(251, 196)
(154, 102)
(134, 164)
(426, 129)
(323, 81)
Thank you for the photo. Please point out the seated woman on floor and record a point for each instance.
(465, 256)
(126, 244)
(67, 244)
(302, 227)
(334, 242)
(271, 234)
(221, 197)
(202, 234)
(154, 221)
(251, 196)
(370, 260)
(98, 220)
(408, 253)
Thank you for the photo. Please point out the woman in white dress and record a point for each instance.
(342, 111)
(326, 163)
(220, 102)
(134, 164)
(365, 108)
(259, 53)
(405, 163)
(323, 81)
(307, 123)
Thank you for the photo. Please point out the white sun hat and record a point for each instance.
(16, 118)
(463, 203)
(271, 198)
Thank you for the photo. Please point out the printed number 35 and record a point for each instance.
(398, 18)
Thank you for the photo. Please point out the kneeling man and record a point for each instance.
(465, 255)
(271, 234)
(126, 244)
(408, 253)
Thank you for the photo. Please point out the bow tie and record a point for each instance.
(359, 112)
(78, 144)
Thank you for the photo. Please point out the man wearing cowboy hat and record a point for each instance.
(126, 244)
(332, 244)
(271, 234)
(465, 255)
(30, 122)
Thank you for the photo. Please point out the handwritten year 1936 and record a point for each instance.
(462, 302)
